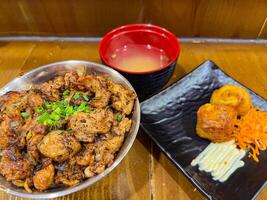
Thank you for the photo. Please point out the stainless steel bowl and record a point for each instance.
(48, 72)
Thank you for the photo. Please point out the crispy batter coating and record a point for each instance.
(72, 81)
(215, 122)
(122, 98)
(87, 156)
(34, 99)
(13, 166)
(120, 128)
(13, 101)
(72, 174)
(97, 121)
(63, 131)
(59, 145)
(51, 89)
(32, 150)
(7, 137)
(97, 85)
(31, 125)
(234, 96)
(43, 178)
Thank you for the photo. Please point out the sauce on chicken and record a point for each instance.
(63, 131)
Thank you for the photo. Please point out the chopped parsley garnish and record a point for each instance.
(25, 115)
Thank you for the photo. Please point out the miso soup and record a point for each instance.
(138, 58)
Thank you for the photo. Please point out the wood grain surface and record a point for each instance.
(145, 173)
(186, 18)
(263, 31)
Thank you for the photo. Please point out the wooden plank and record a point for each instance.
(230, 18)
(48, 52)
(66, 17)
(263, 31)
(145, 173)
(221, 18)
(12, 58)
(206, 18)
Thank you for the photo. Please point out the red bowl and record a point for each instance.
(145, 82)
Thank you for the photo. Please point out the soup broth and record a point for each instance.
(138, 58)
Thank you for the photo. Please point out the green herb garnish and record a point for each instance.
(39, 109)
(66, 92)
(54, 116)
(76, 96)
(25, 115)
(44, 117)
(82, 106)
(53, 113)
(119, 117)
(59, 131)
(85, 98)
(87, 109)
(48, 105)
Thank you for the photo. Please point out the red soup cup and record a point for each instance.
(146, 83)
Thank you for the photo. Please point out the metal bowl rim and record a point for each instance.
(118, 159)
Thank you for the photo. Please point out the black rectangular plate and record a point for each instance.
(169, 118)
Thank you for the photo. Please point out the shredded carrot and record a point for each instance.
(250, 132)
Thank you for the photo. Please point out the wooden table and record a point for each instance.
(145, 173)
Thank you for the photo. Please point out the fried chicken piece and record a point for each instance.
(83, 136)
(103, 156)
(13, 166)
(43, 178)
(59, 145)
(98, 156)
(9, 132)
(34, 100)
(114, 144)
(12, 101)
(72, 174)
(120, 128)
(72, 81)
(6, 138)
(234, 96)
(31, 125)
(32, 149)
(80, 99)
(215, 122)
(51, 89)
(11, 105)
(88, 173)
(122, 98)
(87, 156)
(97, 121)
(98, 86)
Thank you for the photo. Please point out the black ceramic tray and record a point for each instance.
(169, 118)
